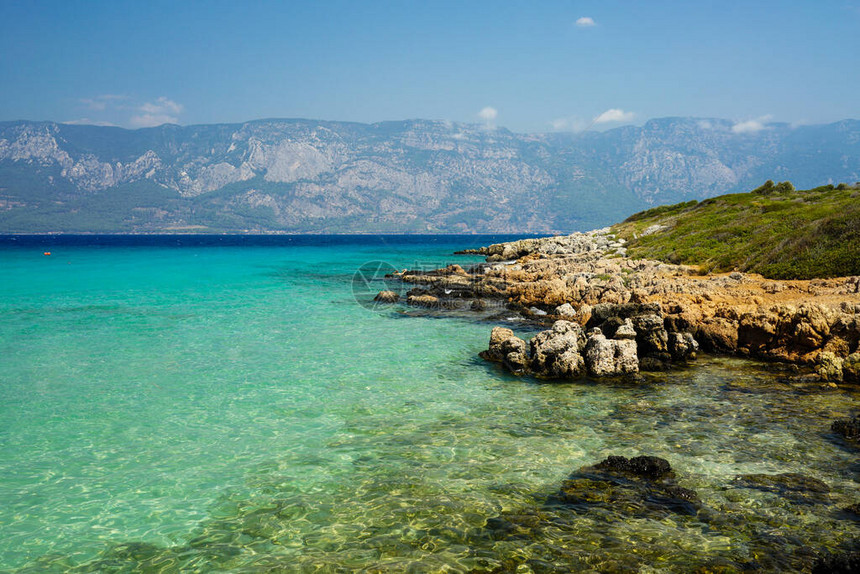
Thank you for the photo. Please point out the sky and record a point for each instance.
(526, 66)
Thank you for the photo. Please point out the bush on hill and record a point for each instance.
(774, 230)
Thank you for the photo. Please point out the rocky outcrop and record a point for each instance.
(564, 352)
(387, 297)
(610, 357)
(673, 309)
(593, 242)
(507, 349)
(423, 301)
(556, 353)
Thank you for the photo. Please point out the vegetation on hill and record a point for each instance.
(774, 230)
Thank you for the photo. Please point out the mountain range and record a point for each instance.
(414, 176)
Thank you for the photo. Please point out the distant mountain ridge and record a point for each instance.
(409, 176)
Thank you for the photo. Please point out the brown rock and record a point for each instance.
(423, 301)
(851, 368)
(387, 297)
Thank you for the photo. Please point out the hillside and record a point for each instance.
(775, 230)
(307, 176)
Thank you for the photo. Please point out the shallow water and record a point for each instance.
(235, 408)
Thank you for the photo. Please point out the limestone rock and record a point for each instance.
(651, 335)
(508, 349)
(682, 346)
(565, 310)
(829, 367)
(423, 300)
(556, 352)
(387, 297)
(609, 357)
(718, 334)
(626, 330)
(497, 336)
(604, 311)
(851, 368)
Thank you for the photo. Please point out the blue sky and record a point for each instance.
(527, 66)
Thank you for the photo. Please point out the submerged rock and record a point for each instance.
(796, 487)
(853, 509)
(646, 466)
(848, 563)
(642, 486)
(850, 429)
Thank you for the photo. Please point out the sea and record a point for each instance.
(241, 404)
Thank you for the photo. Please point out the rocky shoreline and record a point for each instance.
(610, 315)
(607, 315)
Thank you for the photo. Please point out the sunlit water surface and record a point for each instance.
(236, 409)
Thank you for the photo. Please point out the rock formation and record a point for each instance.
(674, 311)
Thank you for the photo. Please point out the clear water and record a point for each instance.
(235, 409)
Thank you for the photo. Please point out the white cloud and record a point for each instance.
(559, 124)
(152, 120)
(162, 105)
(586, 22)
(161, 111)
(614, 115)
(569, 124)
(88, 122)
(102, 102)
(751, 126)
(488, 114)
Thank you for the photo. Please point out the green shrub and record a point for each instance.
(774, 230)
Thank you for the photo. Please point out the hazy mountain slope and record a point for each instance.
(409, 176)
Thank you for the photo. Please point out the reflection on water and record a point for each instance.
(475, 489)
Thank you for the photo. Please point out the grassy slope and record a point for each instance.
(782, 234)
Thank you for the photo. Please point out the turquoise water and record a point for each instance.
(236, 409)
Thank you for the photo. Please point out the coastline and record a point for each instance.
(587, 279)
